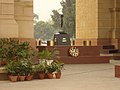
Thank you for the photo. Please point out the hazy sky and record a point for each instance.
(44, 8)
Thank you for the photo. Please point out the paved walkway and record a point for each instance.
(75, 77)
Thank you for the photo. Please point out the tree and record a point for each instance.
(44, 30)
(56, 17)
(36, 17)
(68, 10)
(69, 16)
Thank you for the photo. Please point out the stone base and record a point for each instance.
(85, 60)
(87, 54)
(85, 42)
(117, 71)
(115, 62)
(97, 42)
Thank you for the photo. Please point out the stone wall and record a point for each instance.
(8, 25)
(24, 18)
(16, 18)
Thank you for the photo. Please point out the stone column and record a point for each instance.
(105, 22)
(118, 19)
(8, 25)
(115, 13)
(24, 17)
(86, 21)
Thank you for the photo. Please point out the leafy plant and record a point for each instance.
(13, 49)
(10, 46)
(48, 55)
(24, 67)
(51, 67)
(24, 51)
(41, 67)
(59, 66)
(19, 67)
(12, 68)
(29, 69)
(5, 46)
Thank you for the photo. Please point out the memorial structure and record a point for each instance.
(97, 21)
(97, 24)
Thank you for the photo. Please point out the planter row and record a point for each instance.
(29, 78)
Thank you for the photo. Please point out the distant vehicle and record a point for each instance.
(44, 43)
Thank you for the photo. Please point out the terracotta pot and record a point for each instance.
(50, 75)
(13, 78)
(3, 62)
(30, 77)
(22, 78)
(58, 75)
(0, 63)
(41, 75)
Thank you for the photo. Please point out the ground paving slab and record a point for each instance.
(74, 77)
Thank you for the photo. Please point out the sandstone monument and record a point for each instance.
(97, 21)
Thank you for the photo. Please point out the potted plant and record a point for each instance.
(16, 50)
(24, 51)
(41, 69)
(29, 71)
(48, 55)
(59, 67)
(12, 69)
(11, 49)
(24, 54)
(22, 69)
(50, 69)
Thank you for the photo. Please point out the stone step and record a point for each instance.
(108, 47)
(115, 62)
(109, 51)
(114, 51)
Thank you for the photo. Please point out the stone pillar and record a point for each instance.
(97, 21)
(86, 21)
(118, 19)
(8, 25)
(104, 18)
(115, 15)
(24, 17)
(118, 22)
(105, 22)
